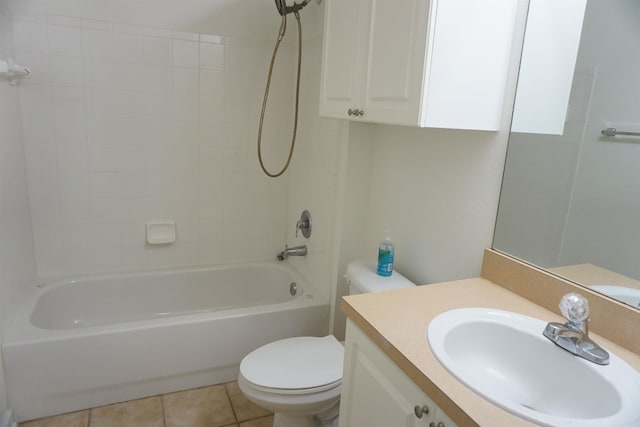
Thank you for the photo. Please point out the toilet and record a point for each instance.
(300, 379)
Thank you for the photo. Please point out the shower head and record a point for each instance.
(283, 9)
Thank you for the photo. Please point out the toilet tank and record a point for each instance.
(362, 278)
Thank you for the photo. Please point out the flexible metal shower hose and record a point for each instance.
(283, 29)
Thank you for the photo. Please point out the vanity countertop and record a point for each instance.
(396, 321)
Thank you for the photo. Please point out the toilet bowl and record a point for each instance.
(300, 379)
(296, 378)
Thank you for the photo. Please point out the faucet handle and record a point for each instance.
(574, 307)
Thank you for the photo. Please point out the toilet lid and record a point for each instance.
(295, 363)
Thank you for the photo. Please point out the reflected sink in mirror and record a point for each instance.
(627, 295)
(504, 357)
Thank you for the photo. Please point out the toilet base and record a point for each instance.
(288, 420)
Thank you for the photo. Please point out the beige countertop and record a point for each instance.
(397, 322)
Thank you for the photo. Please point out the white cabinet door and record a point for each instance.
(397, 36)
(376, 393)
(342, 59)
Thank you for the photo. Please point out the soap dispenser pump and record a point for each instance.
(386, 252)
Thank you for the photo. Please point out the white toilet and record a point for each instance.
(300, 379)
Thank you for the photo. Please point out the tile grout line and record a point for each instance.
(226, 392)
(164, 420)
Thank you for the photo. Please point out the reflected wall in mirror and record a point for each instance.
(570, 203)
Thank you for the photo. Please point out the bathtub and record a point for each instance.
(94, 341)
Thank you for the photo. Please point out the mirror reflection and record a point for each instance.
(570, 200)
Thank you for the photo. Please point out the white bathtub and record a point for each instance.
(100, 340)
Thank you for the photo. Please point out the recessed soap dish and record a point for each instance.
(161, 232)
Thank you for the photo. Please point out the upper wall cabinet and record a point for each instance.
(438, 63)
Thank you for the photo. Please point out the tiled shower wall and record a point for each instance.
(17, 261)
(125, 124)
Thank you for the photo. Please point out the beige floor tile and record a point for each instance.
(135, 413)
(201, 407)
(244, 409)
(74, 419)
(259, 422)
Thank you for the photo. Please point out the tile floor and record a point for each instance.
(214, 406)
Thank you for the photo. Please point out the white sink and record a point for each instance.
(627, 295)
(504, 357)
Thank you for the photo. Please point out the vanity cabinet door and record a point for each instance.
(376, 393)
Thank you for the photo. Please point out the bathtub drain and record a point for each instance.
(293, 288)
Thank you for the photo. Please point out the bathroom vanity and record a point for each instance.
(390, 370)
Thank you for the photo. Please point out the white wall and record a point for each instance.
(17, 262)
(138, 113)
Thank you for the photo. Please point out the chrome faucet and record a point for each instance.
(573, 335)
(293, 251)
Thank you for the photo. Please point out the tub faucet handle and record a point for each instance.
(304, 224)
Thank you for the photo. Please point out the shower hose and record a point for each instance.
(283, 29)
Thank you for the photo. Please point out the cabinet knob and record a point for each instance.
(351, 112)
(440, 424)
(421, 410)
(355, 112)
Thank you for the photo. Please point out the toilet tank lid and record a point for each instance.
(362, 274)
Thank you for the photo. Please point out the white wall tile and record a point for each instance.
(74, 184)
(70, 129)
(156, 51)
(38, 128)
(97, 44)
(185, 53)
(156, 78)
(185, 81)
(72, 158)
(67, 21)
(186, 108)
(130, 123)
(212, 56)
(212, 83)
(74, 210)
(66, 71)
(182, 35)
(95, 24)
(30, 37)
(127, 47)
(66, 41)
(68, 100)
(212, 109)
(36, 100)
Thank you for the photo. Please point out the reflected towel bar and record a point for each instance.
(614, 132)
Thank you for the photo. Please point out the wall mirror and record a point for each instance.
(570, 200)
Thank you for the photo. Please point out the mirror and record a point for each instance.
(570, 200)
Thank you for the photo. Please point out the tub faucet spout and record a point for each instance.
(293, 251)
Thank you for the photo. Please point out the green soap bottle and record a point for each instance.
(386, 252)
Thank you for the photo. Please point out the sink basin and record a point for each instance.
(504, 357)
(627, 295)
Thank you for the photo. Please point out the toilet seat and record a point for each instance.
(300, 365)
